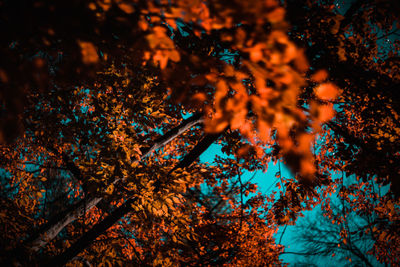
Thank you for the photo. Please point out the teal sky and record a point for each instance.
(266, 184)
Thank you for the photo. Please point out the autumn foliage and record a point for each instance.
(107, 105)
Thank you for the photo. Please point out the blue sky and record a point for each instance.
(266, 184)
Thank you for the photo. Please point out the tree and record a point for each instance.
(97, 102)
(358, 45)
(345, 234)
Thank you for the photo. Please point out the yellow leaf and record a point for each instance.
(165, 209)
(176, 200)
(110, 189)
(169, 202)
(135, 164)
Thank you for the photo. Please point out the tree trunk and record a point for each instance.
(70, 215)
(58, 222)
(91, 235)
(86, 239)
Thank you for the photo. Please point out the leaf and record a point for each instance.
(327, 91)
(199, 97)
(342, 54)
(256, 54)
(176, 200)
(215, 125)
(89, 53)
(127, 8)
(174, 55)
(160, 32)
(319, 76)
(277, 15)
(238, 119)
(169, 202)
(325, 112)
(110, 189)
(165, 210)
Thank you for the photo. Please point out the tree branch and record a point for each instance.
(57, 223)
(124, 209)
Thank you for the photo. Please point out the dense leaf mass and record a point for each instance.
(106, 106)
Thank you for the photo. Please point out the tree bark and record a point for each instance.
(87, 238)
(52, 230)
(91, 235)
(58, 222)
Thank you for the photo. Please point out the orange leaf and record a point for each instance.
(327, 91)
(307, 168)
(143, 25)
(161, 58)
(325, 112)
(342, 54)
(301, 62)
(319, 76)
(222, 91)
(263, 131)
(199, 97)
(270, 3)
(215, 125)
(243, 150)
(305, 140)
(220, 126)
(238, 119)
(172, 23)
(89, 53)
(240, 36)
(127, 8)
(159, 31)
(174, 56)
(290, 52)
(277, 15)
(256, 53)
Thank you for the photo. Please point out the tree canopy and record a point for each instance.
(106, 106)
